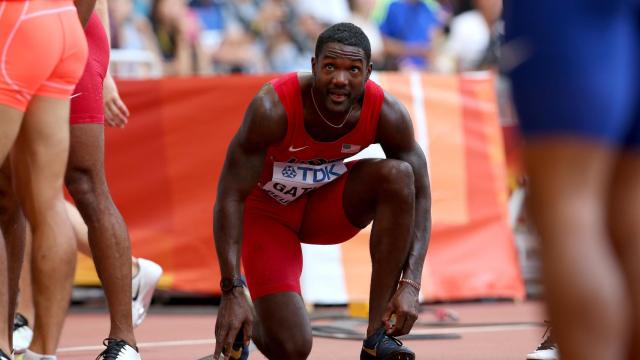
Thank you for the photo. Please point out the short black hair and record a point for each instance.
(345, 34)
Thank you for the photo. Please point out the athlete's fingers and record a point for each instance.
(122, 106)
(221, 334)
(408, 324)
(118, 110)
(248, 328)
(118, 118)
(228, 340)
(386, 318)
(108, 116)
(401, 319)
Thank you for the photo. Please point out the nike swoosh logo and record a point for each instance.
(135, 297)
(371, 352)
(74, 95)
(292, 149)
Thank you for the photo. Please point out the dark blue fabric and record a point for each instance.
(575, 65)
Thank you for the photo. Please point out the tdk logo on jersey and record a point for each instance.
(315, 175)
(289, 172)
(308, 174)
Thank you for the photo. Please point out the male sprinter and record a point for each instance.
(284, 183)
(575, 71)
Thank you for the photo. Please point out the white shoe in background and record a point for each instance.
(22, 334)
(142, 287)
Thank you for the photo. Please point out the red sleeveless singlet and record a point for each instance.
(299, 164)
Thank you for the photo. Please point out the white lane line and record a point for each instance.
(144, 345)
(417, 331)
(474, 329)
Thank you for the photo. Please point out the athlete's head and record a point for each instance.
(341, 66)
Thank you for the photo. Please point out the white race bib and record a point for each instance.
(291, 180)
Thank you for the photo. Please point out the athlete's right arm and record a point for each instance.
(265, 123)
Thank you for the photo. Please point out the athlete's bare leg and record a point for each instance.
(39, 161)
(108, 234)
(25, 296)
(378, 190)
(625, 230)
(382, 191)
(583, 279)
(9, 128)
(81, 232)
(13, 226)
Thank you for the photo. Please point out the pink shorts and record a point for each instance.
(273, 233)
(42, 50)
(86, 102)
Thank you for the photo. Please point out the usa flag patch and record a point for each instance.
(350, 149)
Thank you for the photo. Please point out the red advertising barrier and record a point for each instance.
(163, 170)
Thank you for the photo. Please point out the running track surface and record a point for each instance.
(502, 330)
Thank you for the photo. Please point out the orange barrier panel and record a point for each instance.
(163, 171)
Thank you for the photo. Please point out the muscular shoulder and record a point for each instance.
(265, 121)
(395, 129)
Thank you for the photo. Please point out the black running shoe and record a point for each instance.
(548, 349)
(118, 350)
(382, 346)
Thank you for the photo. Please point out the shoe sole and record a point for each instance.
(400, 357)
(395, 356)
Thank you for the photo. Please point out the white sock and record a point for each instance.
(30, 355)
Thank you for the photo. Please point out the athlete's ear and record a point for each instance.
(369, 70)
(313, 66)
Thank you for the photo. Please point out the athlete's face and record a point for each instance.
(340, 74)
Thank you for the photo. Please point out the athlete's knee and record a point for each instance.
(395, 177)
(289, 345)
(82, 185)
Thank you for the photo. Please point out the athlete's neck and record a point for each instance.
(317, 127)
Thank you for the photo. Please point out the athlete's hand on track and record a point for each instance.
(116, 113)
(404, 305)
(234, 313)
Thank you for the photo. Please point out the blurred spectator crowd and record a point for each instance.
(186, 37)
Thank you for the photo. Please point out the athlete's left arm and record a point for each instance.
(395, 135)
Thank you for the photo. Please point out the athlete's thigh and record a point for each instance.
(573, 66)
(40, 154)
(9, 128)
(271, 253)
(324, 221)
